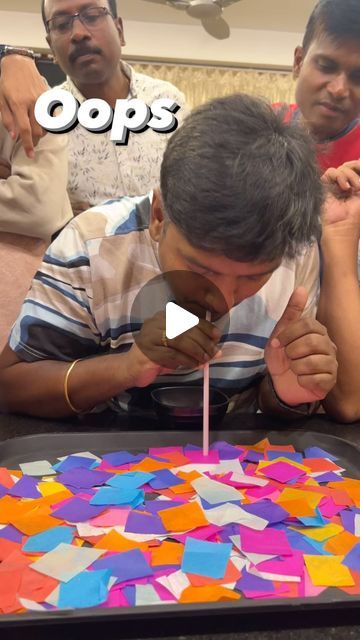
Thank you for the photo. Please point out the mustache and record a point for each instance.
(82, 50)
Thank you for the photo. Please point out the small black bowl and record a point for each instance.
(182, 407)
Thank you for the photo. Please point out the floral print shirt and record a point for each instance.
(99, 169)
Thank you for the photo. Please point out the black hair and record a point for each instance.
(339, 19)
(238, 181)
(111, 3)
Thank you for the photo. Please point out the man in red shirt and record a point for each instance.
(327, 68)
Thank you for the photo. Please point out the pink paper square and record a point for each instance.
(282, 472)
(201, 533)
(111, 518)
(162, 592)
(290, 566)
(328, 508)
(268, 541)
(158, 451)
(116, 598)
(197, 457)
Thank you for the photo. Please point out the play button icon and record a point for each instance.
(178, 320)
(167, 306)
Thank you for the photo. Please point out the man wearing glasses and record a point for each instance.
(86, 39)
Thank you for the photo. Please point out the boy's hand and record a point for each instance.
(5, 169)
(153, 355)
(300, 356)
(20, 86)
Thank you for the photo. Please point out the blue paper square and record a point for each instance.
(203, 558)
(87, 589)
(48, 540)
(111, 496)
(130, 480)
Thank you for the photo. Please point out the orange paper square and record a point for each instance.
(183, 518)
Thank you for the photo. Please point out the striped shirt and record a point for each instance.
(80, 302)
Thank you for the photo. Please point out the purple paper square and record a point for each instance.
(78, 510)
(330, 476)
(84, 478)
(80, 491)
(118, 458)
(3, 491)
(75, 462)
(128, 565)
(154, 506)
(352, 559)
(289, 455)
(348, 520)
(317, 452)
(130, 594)
(26, 487)
(250, 583)
(254, 456)
(227, 451)
(268, 510)
(143, 523)
(11, 533)
(164, 479)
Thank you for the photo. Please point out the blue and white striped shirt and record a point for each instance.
(80, 301)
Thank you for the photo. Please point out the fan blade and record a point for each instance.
(178, 4)
(227, 3)
(173, 4)
(157, 1)
(218, 28)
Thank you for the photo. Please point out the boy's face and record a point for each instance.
(236, 281)
(328, 87)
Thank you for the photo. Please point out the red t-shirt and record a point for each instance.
(334, 153)
(341, 149)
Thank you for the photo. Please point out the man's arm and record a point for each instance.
(43, 388)
(20, 86)
(37, 388)
(33, 199)
(339, 307)
(339, 311)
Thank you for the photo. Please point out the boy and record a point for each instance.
(223, 214)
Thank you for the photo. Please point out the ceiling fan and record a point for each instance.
(209, 12)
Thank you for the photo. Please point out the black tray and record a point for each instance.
(331, 607)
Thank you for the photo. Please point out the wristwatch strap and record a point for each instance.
(6, 50)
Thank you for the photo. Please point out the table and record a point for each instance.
(303, 627)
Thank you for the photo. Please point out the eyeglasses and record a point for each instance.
(90, 17)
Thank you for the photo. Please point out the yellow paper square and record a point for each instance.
(310, 497)
(49, 488)
(327, 571)
(322, 533)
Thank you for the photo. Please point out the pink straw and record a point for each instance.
(206, 386)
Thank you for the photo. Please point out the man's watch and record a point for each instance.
(7, 50)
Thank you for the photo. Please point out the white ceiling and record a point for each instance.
(274, 15)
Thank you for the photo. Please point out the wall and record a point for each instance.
(172, 42)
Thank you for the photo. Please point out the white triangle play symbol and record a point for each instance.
(178, 320)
